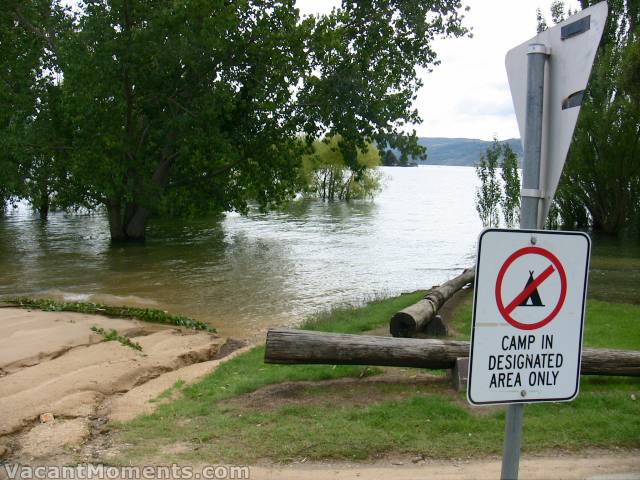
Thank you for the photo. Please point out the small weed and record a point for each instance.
(114, 336)
(143, 314)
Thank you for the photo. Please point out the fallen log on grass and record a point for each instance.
(302, 346)
(414, 318)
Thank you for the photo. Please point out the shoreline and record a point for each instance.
(60, 379)
(99, 440)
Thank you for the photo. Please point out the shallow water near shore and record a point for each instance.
(244, 274)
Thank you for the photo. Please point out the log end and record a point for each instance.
(402, 325)
(437, 327)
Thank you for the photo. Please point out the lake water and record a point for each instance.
(244, 274)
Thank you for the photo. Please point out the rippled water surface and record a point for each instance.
(243, 274)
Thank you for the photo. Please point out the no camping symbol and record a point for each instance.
(531, 287)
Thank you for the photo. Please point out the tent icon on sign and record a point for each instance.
(533, 300)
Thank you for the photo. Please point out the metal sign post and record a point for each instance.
(571, 47)
(529, 203)
(547, 128)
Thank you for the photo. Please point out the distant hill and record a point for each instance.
(459, 151)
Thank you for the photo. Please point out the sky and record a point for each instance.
(468, 95)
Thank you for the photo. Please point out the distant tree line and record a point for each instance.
(183, 107)
(390, 159)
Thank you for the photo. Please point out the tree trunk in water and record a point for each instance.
(415, 318)
(331, 185)
(129, 225)
(41, 202)
(306, 347)
(135, 229)
(43, 211)
(116, 225)
(43, 207)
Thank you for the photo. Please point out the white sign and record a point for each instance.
(528, 314)
(572, 46)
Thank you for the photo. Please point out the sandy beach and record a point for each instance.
(60, 381)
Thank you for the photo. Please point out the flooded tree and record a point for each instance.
(22, 60)
(187, 107)
(326, 174)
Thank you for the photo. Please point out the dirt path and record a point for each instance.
(59, 381)
(592, 465)
(597, 466)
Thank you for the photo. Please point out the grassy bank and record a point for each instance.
(246, 410)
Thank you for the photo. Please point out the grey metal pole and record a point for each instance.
(512, 440)
(529, 203)
(531, 195)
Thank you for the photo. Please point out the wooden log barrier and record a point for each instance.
(414, 318)
(303, 346)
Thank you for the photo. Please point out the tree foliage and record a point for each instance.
(43, 167)
(488, 194)
(600, 185)
(498, 194)
(510, 197)
(189, 106)
(356, 46)
(24, 56)
(327, 175)
(182, 107)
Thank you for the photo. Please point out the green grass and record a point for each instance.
(427, 421)
(361, 420)
(618, 286)
(614, 274)
(612, 325)
(460, 321)
(607, 324)
(349, 319)
(142, 314)
(247, 373)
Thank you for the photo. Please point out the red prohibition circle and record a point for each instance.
(563, 287)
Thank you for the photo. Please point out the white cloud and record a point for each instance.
(468, 94)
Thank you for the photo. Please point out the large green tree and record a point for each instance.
(600, 186)
(179, 107)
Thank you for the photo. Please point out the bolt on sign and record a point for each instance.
(528, 316)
